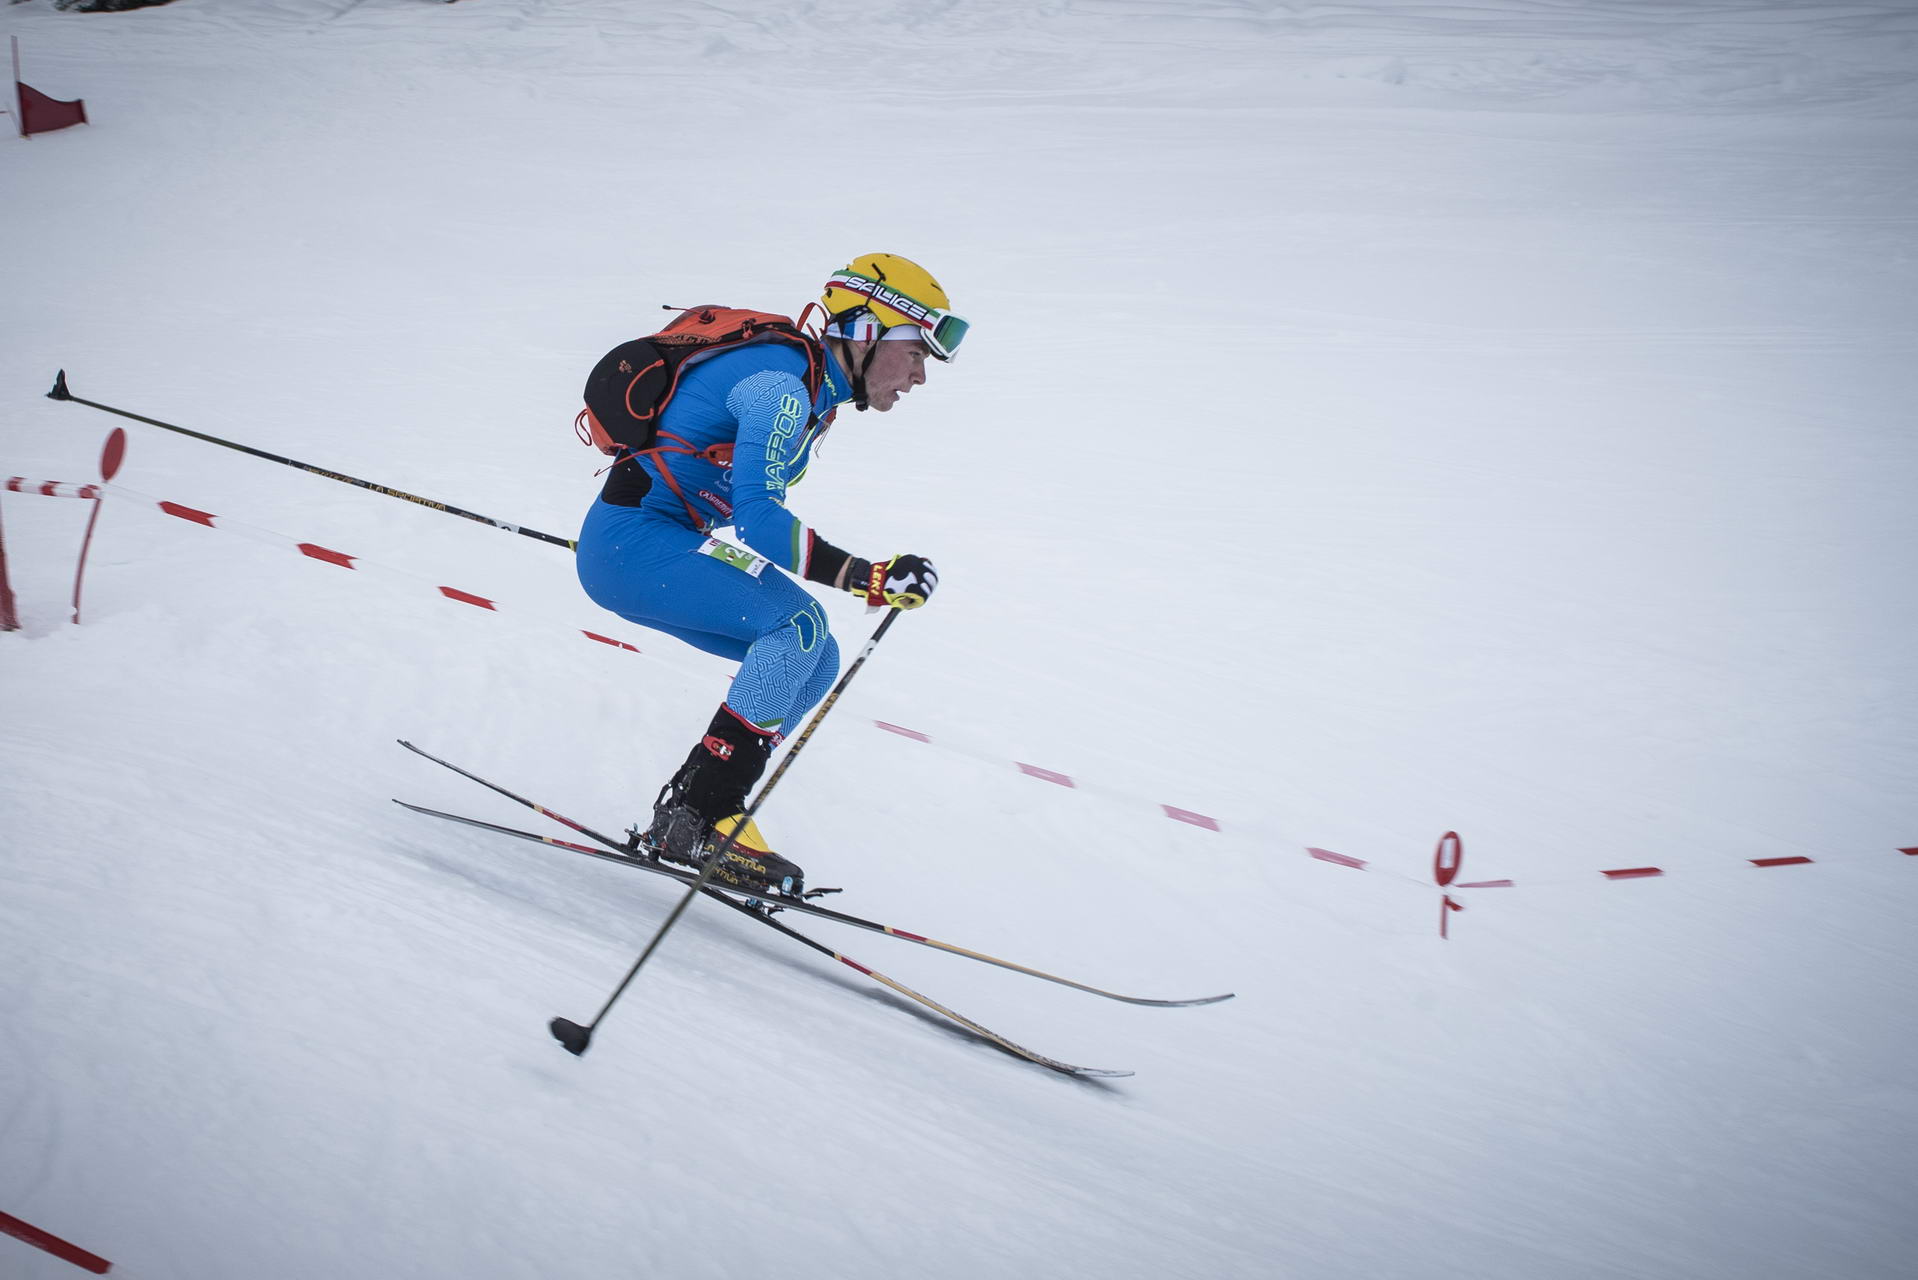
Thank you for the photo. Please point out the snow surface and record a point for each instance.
(1382, 418)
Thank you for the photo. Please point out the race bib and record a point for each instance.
(737, 557)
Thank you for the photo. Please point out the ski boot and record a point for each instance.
(704, 801)
(748, 864)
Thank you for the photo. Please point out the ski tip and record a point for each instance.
(1100, 1073)
(1149, 1002)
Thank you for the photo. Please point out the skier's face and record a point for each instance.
(896, 368)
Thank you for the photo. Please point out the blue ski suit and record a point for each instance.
(657, 565)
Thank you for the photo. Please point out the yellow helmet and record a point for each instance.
(894, 291)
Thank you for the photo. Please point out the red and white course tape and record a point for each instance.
(327, 555)
(1447, 860)
(110, 460)
(52, 488)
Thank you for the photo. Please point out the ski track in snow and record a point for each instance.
(1381, 418)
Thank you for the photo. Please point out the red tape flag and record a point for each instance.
(10, 1225)
(1177, 814)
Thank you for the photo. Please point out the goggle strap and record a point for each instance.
(930, 320)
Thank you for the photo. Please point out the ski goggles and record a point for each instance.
(942, 330)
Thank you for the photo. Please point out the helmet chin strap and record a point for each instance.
(860, 398)
(859, 394)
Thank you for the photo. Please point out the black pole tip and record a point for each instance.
(60, 391)
(573, 1037)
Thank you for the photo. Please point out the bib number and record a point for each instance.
(737, 557)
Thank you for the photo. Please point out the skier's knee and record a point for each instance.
(810, 627)
(828, 669)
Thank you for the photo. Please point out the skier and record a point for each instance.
(740, 424)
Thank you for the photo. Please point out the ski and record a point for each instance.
(624, 855)
(763, 916)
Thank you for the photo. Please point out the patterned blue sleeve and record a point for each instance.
(771, 408)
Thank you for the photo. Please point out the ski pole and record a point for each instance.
(60, 392)
(576, 1038)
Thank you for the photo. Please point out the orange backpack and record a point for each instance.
(632, 384)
